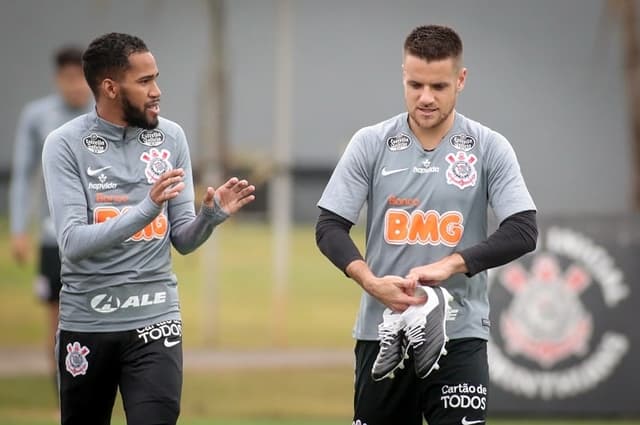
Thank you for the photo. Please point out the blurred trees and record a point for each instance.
(626, 12)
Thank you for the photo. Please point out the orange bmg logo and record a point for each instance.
(157, 229)
(422, 227)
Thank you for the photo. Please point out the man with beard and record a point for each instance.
(428, 176)
(37, 120)
(120, 191)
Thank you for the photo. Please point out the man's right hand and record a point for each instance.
(20, 248)
(395, 292)
(168, 186)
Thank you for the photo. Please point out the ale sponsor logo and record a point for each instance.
(106, 302)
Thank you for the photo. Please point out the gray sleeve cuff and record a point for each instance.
(148, 208)
(216, 214)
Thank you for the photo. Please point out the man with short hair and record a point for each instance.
(37, 120)
(120, 190)
(428, 177)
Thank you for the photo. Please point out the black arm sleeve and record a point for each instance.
(515, 236)
(332, 237)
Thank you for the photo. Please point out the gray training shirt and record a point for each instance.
(114, 240)
(424, 205)
(37, 120)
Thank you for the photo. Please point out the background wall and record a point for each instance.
(547, 74)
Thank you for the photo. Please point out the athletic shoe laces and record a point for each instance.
(388, 332)
(416, 334)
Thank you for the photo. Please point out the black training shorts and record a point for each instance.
(455, 394)
(145, 364)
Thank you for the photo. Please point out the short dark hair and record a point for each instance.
(67, 55)
(108, 56)
(433, 43)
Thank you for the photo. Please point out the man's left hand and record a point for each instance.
(434, 273)
(231, 196)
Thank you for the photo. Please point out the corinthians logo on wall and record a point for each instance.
(551, 336)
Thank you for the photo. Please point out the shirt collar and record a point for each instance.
(110, 130)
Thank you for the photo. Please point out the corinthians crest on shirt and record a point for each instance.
(548, 341)
(157, 163)
(461, 172)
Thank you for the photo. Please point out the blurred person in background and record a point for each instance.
(428, 176)
(38, 119)
(120, 190)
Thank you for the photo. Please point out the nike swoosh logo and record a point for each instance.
(170, 344)
(93, 172)
(467, 422)
(386, 172)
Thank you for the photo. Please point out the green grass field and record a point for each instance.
(241, 314)
(270, 397)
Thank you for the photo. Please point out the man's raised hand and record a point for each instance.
(231, 196)
(168, 186)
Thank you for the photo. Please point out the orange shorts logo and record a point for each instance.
(424, 228)
(157, 229)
